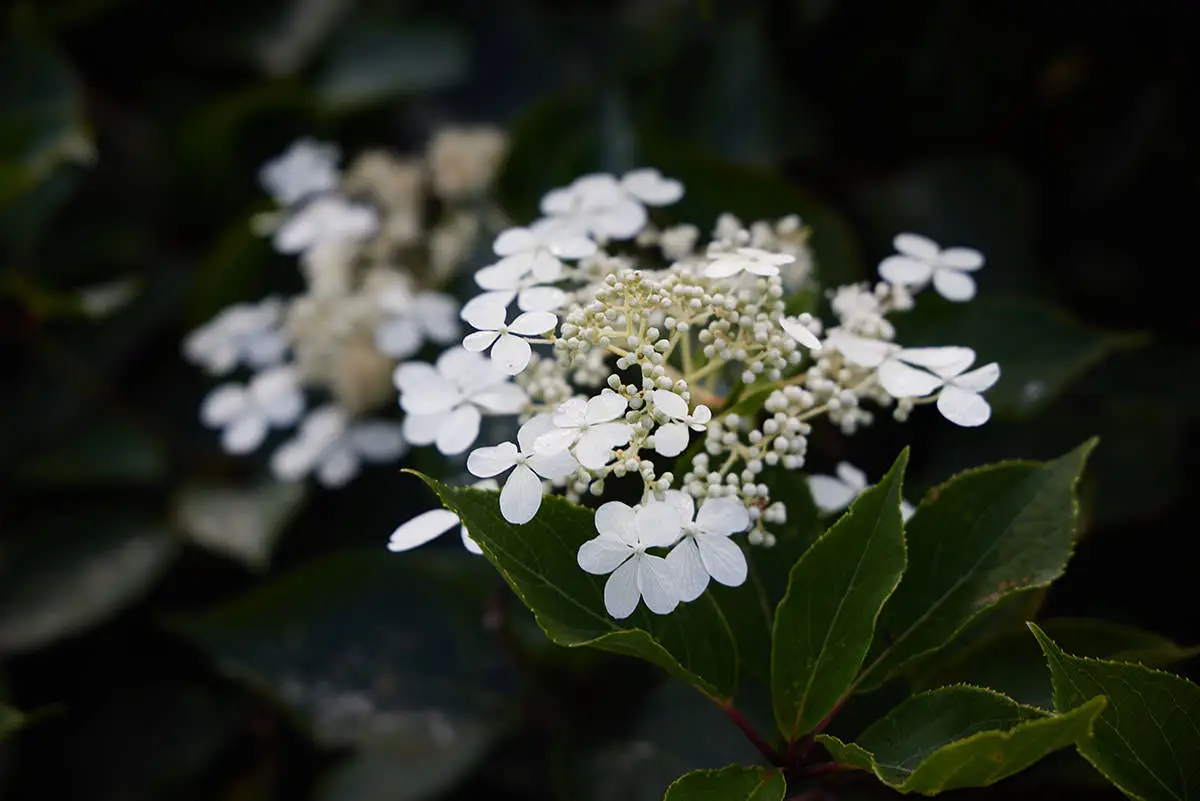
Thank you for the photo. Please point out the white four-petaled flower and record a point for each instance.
(272, 398)
(322, 220)
(706, 548)
(921, 260)
(671, 438)
(944, 369)
(245, 333)
(603, 207)
(510, 352)
(522, 494)
(444, 403)
(411, 319)
(334, 447)
(590, 426)
(306, 168)
(752, 260)
(620, 550)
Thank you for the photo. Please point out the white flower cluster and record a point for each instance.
(371, 262)
(632, 345)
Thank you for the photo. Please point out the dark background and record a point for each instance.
(1058, 138)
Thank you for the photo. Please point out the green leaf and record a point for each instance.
(538, 560)
(960, 737)
(73, 571)
(1148, 740)
(732, 783)
(981, 536)
(1011, 662)
(376, 63)
(825, 622)
(239, 522)
(1041, 349)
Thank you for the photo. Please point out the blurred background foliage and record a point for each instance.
(175, 625)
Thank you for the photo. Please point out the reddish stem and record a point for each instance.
(764, 748)
(807, 743)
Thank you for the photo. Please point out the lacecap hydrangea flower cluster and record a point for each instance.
(618, 345)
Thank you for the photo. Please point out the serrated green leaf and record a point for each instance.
(981, 536)
(538, 560)
(1147, 742)
(1011, 662)
(960, 736)
(824, 624)
(732, 783)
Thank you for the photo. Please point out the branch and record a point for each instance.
(764, 748)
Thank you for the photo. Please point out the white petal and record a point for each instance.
(606, 406)
(533, 428)
(760, 268)
(377, 440)
(905, 271)
(953, 285)
(554, 466)
(459, 430)
(514, 240)
(860, 350)
(968, 259)
(617, 521)
(917, 246)
(533, 323)
(621, 221)
(830, 494)
(571, 246)
(462, 366)
(963, 408)
(244, 434)
(423, 429)
(492, 461)
(571, 413)
(656, 583)
(602, 555)
(479, 340)
(411, 376)
(671, 404)
(671, 439)
(558, 201)
(223, 404)
(511, 354)
(541, 299)
(522, 495)
(293, 460)
(337, 467)
(555, 441)
(723, 516)
(723, 559)
(437, 394)
(723, 268)
(485, 312)
(649, 186)
(594, 449)
(979, 380)
(546, 269)
(945, 361)
(504, 276)
(399, 337)
(691, 578)
(506, 398)
(800, 333)
(659, 524)
(854, 478)
(902, 381)
(621, 592)
(684, 504)
(423, 528)
(469, 543)
(438, 316)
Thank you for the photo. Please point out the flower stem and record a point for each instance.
(756, 739)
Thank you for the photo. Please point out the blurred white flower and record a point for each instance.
(959, 401)
(603, 207)
(620, 550)
(412, 319)
(333, 447)
(522, 494)
(464, 161)
(306, 168)
(510, 352)
(444, 403)
(245, 333)
(324, 219)
(706, 548)
(245, 413)
(752, 260)
(428, 526)
(921, 260)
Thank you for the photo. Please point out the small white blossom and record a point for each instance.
(706, 548)
(327, 218)
(834, 493)
(589, 426)
(510, 352)
(959, 401)
(672, 438)
(620, 550)
(428, 526)
(751, 260)
(603, 207)
(922, 260)
(412, 319)
(445, 403)
(245, 413)
(245, 333)
(334, 447)
(522, 494)
(306, 168)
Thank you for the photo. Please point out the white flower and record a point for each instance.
(306, 168)
(444, 404)
(410, 320)
(620, 549)
(602, 207)
(706, 549)
(522, 494)
(752, 260)
(921, 260)
(672, 438)
(799, 332)
(428, 526)
(272, 398)
(539, 248)
(959, 400)
(327, 218)
(245, 333)
(509, 352)
(834, 493)
(335, 447)
(589, 426)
